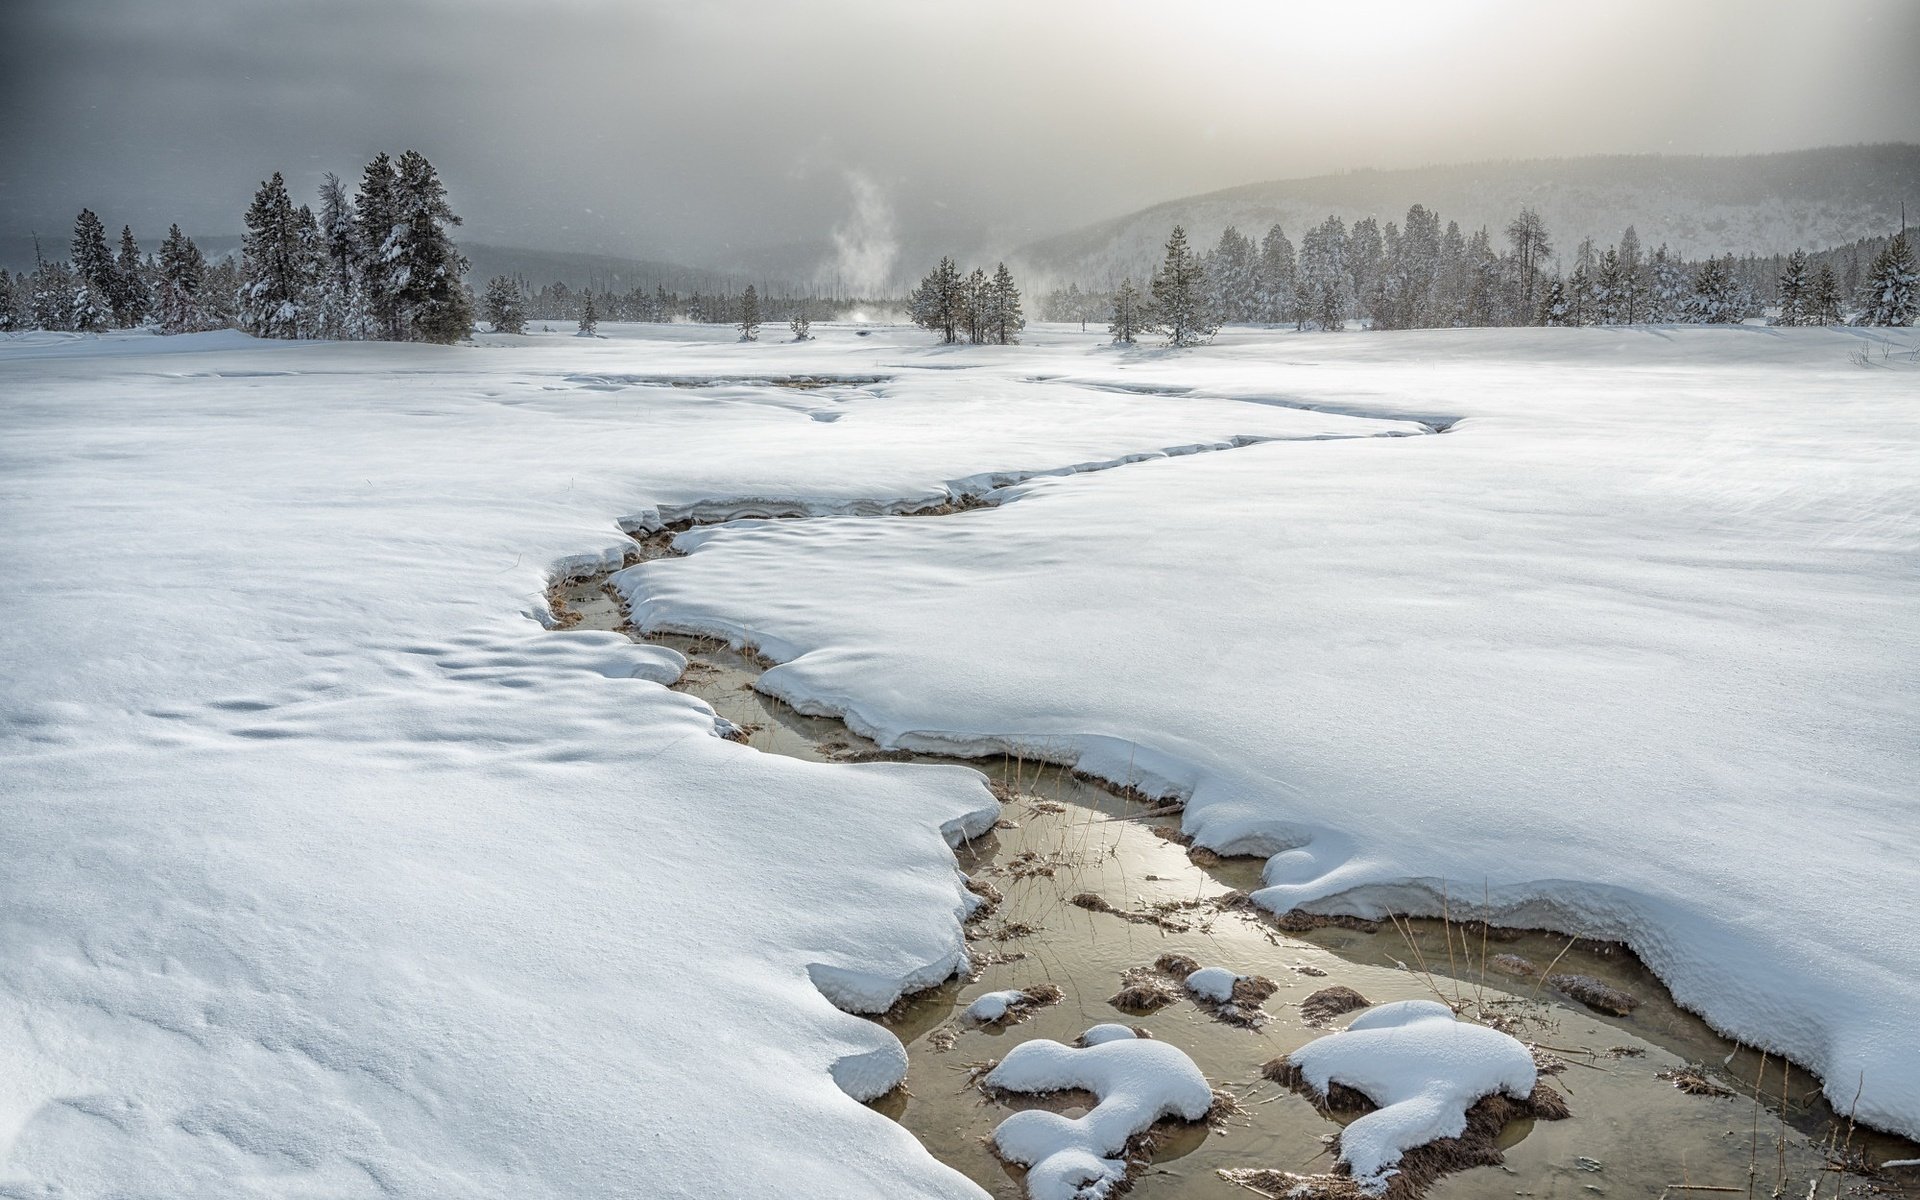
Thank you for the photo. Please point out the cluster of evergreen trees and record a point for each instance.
(1422, 275)
(979, 307)
(96, 289)
(381, 265)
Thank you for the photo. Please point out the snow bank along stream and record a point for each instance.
(1089, 883)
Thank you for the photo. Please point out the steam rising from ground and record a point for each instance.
(865, 245)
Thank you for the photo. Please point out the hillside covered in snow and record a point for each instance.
(1698, 205)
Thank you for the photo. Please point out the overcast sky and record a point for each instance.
(681, 130)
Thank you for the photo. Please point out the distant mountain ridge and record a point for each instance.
(1740, 204)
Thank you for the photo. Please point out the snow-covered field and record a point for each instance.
(325, 869)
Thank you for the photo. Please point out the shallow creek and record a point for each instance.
(1631, 1133)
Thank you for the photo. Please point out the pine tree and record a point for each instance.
(1367, 252)
(89, 304)
(50, 295)
(589, 317)
(1128, 317)
(1005, 320)
(1892, 295)
(434, 306)
(341, 313)
(1452, 282)
(1481, 306)
(1668, 287)
(1610, 289)
(1796, 292)
(1179, 304)
(1555, 308)
(1717, 297)
(936, 303)
(376, 227)
(750, 315)
(801, 323)
(975, 297)
(1231, 277)
(504, 310)
(1277, 270)
(130, 298)
(9, 302)
(183, 272)
(1528, 235)
(1824, 307)
(1325, 280)
(277, 267)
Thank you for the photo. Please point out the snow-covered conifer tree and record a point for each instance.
(589, 316)
(1231, 272)
(50, 295)
(1005, 319)
(1365, 252)
(505, 312)
(976, 296)
(1717, 298)
(376, 224)
(183, 272)
(1277, 270)
(341, 311)
(1892, 292)
(1129, 316)
(1610, 289)
(801, 323)
(427, 266)
(1555, 308)
(1179, 299)
(277, 268)
(1324, 275)
(749, 324)
(1824, 306)
(89, 302)
(1796, 292)
(130, 297)
(1668, 288)
(936, 303)
(10, 307)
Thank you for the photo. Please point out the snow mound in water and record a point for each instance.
(1137, 1082)
(1108, 1032)
(1423, 1067)
(994, 1005)
(1213, 983)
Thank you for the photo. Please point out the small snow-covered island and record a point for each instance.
(870, 601)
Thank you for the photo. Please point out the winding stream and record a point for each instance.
(1061, 837)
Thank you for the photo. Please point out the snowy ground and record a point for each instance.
(327, 870)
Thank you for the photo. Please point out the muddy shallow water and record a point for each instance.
(1631, 1133)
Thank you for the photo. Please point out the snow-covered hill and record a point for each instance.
(1761, 204)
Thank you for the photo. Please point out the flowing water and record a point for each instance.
(1060, 837)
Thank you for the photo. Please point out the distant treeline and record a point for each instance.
(1422, 276)
(557, 302)
(381, 265)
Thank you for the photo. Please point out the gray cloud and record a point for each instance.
(706, 131)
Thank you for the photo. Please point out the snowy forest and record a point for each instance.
(1422, 277)
(383, 265)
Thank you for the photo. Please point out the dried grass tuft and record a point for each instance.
(1330, 1002)
(1693, 1081)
